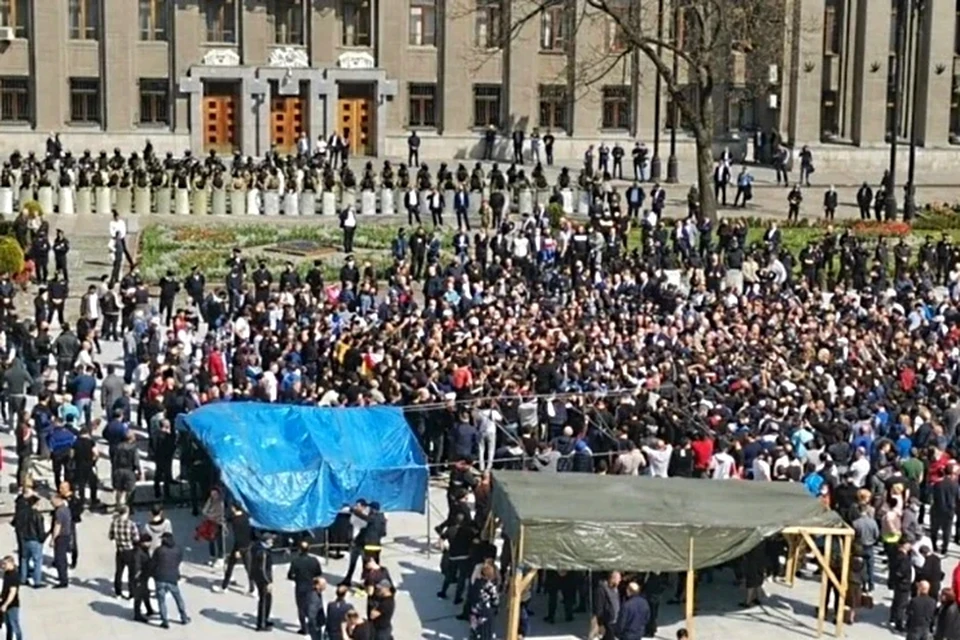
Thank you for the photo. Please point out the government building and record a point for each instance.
(251, 75)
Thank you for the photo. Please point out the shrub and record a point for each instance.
(33, 209)
(938, 217)
(555, 214)
(11, 256)
(877, 229)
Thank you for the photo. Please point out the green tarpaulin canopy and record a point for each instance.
(578, 521)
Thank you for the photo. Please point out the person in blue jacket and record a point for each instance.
(60, 441)
(634, 615)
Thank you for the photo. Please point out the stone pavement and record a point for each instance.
(86, 611)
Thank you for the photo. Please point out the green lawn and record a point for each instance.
(209, 246)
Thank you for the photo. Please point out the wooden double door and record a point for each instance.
(221, 116)
(355, 119)
(288, 119)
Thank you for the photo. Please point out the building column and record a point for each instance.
(806, 95)
(185, 41)
(255, 31)
(117, 46)
(870, 72)
(935, 84)
(321, 95)
(519, 90)
(455, 116)
(255, 115)
(386, 91)
(192, 88)
(48, 41)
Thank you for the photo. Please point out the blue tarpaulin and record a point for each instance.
(292, 468)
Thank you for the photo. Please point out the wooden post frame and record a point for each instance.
(844, 582)
(824, 583)
(517, 585)
(805, 538)
(691, 590)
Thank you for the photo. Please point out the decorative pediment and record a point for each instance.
(356, 60)
(289, 58)
(221, 58)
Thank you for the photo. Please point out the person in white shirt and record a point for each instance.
(488, 419)
(761, 468)
(118, 234)
(348, 222)
(860, 467)
(722, 466)
(658, 458)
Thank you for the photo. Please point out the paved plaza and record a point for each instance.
(88, 610)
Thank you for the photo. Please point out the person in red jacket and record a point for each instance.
(702, 453)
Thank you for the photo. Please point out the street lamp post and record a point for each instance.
(896, 61)
(655, 162)
(910, 205)
(673, 171)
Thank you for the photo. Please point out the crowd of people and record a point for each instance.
(543, 344)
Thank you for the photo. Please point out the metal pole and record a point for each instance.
(655, 162)
(910, 206)
(896, 61)
(673, 172)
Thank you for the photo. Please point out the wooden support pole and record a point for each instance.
(844, 582)
(824, 581)
(516, 590)
(691, 590)
(791, 567)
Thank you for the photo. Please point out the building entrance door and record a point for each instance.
(355, 119)
(287, 121)
(220, 117)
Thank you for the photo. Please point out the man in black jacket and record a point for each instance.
(304, 569)
(900, 573)
(141, 571)
(367, 542)
(166, 573)
(606, 605)
(943, 508)
(261, 572)
(242, 540)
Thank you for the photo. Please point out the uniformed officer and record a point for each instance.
(304, 570)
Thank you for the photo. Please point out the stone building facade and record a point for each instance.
(251, 74)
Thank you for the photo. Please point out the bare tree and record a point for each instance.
(696, 47)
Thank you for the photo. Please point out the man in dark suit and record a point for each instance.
(518, 146)
(864, 200)
(461, 206)
(721, 178)
(413, 149)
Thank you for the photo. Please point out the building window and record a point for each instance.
(423, 23)
(616, 107)
(486, 105)
(955, 113)
(84, 19)
(829, 116)
(956, 30)
(741, 115)
(832, 23)
(423, 105)
(356, 23)
(221, 19)
(553, 28)
(153, 20)
(619, 15)
(154, 101)
(13, 13)
(287, 22)
(553, 106)
(14, 99)
(85, 100)
(489, 18)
